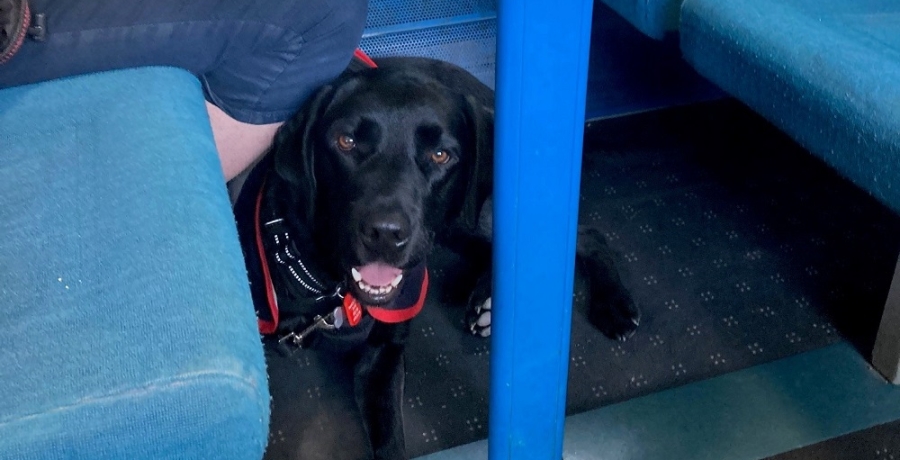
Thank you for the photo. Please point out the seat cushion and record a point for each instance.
(654, 18)
(127, 325)
(827, 72)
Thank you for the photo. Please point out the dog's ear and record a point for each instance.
(294, 158)
(481, 176)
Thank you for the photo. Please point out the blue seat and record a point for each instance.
(654, 18)
(827, 72)
(127, 326)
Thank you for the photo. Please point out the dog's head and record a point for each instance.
(379, 162)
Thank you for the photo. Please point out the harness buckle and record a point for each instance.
(337, 294)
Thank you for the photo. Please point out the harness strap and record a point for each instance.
(265, 326)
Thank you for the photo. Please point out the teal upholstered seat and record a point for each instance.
(126, 324)
(655, 18)
(827, 72)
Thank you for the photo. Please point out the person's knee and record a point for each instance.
(343, 25)
(328, 30)
(351, 17)
(340, 22)
(328, 45)
(290, 48)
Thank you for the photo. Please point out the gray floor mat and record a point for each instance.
(739, 247)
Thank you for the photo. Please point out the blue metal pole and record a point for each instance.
(542, 63)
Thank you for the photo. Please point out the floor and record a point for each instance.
(743, 252)
(880, 442)
(759, 412)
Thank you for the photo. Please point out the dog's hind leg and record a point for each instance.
(610, 307)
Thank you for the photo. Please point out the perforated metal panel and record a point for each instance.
(386, 13)
(461, 32)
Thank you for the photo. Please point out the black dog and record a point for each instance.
(338, 220)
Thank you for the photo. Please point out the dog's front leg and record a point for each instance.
(378, 381)
(477, 250)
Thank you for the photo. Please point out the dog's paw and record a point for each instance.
(617, 319)
(478, 318)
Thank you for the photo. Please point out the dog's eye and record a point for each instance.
(440, 156)
(346, 142)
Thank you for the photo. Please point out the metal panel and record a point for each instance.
(387, 13)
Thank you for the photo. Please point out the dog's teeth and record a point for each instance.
(376, 290)
(356, 275)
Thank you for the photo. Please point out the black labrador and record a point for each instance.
(338, 221)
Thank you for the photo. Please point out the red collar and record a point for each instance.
(364, 58)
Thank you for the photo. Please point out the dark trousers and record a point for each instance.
(257, 59)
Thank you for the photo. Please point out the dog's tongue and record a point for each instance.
(378, 274)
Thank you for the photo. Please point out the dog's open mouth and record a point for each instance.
(376, 283)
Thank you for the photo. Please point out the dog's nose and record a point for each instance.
(388, 231)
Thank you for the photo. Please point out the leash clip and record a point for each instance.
(294, 341)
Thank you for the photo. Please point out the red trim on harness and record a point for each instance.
(402, 314)
(265, 327)
(362, 56)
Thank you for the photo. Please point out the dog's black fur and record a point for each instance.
(379, 166)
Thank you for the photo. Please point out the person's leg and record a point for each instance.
(257, 59)
(239, 144)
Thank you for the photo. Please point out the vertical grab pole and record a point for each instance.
(542, 68)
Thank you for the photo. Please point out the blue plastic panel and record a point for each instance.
(541, 80)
